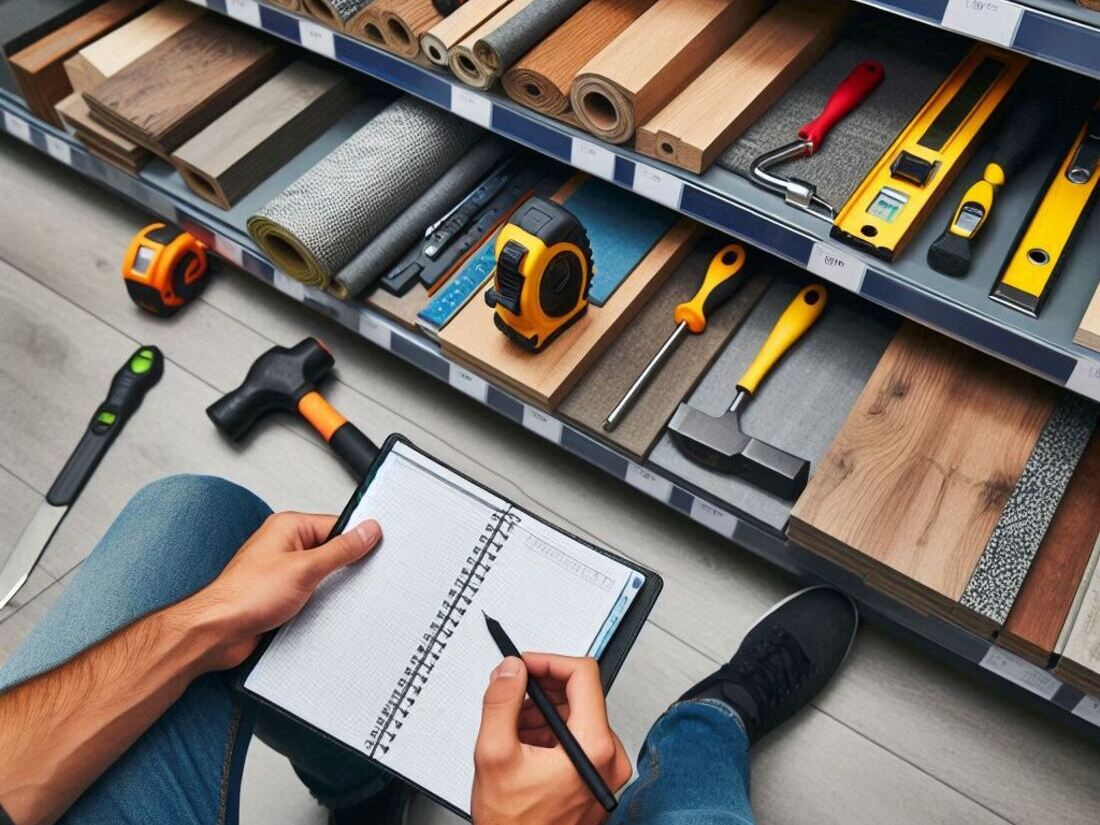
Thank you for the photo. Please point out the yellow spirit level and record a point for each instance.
(892, 201)
(542, 275)
(1044, 243)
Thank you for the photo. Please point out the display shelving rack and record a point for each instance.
(718, 199)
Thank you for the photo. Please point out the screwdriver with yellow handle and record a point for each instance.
(719, 443)
(719, 284)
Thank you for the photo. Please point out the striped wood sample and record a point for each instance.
(39, 68)
(1044, 602)
(1080, 660)
(100, 140)
(653, 60)
(99, 60)
(543, 78)
(235, 153)
(741, 84)
(178, 87)
(1088, 331)
(911, 488)
(546, 376)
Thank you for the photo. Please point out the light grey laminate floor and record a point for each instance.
(899, 738)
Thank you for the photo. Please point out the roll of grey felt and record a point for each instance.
(335, 13)
(318, 223)
(510, 41)
(916, 61)
(408, 227)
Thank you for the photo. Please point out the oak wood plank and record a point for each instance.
(181, 85)
(1088, 331)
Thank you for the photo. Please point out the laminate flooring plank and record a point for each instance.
(961, 733)
(1088, 331)
(180, 85)
(1081, 656)
(99, 60)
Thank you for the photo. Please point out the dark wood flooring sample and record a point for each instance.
(180, 86)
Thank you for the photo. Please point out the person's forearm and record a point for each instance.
(62, 729)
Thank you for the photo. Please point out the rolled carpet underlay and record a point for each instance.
(315, 226)
(500, 48)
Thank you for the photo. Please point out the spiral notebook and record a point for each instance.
(391, 656)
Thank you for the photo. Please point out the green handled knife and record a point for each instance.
(138, 375)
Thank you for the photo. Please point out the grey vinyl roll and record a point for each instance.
(315, 226)
(506, 44)
(1027, 513)
(802, 403)
(408, 228)
(915, 59)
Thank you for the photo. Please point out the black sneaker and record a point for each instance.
(387, 807)
(787, 657)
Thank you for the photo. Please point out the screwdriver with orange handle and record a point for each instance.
(719, 285)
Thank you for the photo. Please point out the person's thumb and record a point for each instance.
(347, 548)
(498, 739)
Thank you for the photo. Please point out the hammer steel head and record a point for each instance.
(276, 381)
(720, 444)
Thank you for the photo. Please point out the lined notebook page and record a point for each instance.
(392, 655)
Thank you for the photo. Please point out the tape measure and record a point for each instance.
(164, 268)
(542, 275)
(908, 180)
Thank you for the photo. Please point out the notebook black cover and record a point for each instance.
(611, 661)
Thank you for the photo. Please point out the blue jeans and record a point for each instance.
(172, 539)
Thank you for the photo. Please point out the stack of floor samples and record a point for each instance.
(22, 22)
(951, 486)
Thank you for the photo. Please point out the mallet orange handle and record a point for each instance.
(801, 314)
(718, 285)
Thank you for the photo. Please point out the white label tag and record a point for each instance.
(247, 11)
(472, 106)
(588, 157)
(1021, 672)
(229, 250)
(1085, 378)
(18, 127)
(317, 38)
(288, 286)
(59, 150)
(1089, 709)
(710, 516)
(543, 424)
(992, 20)
(836, 266)
(649, 482)
(374, 330)
(466, 382)
(659, 186)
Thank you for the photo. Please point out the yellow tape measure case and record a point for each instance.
(542, 275)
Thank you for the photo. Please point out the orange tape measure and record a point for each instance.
(164, 268)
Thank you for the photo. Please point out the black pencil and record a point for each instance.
(569, 744)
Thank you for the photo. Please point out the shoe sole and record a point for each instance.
(798, 593)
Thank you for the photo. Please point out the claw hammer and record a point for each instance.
(285, 379)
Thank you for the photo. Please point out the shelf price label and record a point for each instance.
(472, 106)
(1088, 709)
(663, 187)
(1021, 672)
(17, 126)
(317, 38)
(59, 150)
(589, 157)
(1085, 378)
(289, 286)
(992, 20)
(247, 11)
(711, 517)
(539, 422)
(649, 482)
(836, 266)
(374, 330)
(467, 383)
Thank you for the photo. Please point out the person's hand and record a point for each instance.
(521, 773)
(272, 576)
